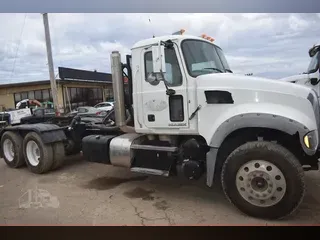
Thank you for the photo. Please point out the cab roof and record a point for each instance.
(155, 40)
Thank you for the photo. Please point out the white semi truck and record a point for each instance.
(186, 112)
(311, 77)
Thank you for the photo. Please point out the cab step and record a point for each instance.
(153, 159)
(150, 171)
(154, 148)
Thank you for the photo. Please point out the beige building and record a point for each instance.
(71, 93)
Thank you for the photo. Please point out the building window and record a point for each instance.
(24, 95)
(109, 94)
(40, 95)
(83, 97)
(31, 94)
(17, 98)
(45, 95)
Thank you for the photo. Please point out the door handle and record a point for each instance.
(170, 92)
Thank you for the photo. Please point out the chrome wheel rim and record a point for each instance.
(8, 150)
(33, 153)
(261, 183)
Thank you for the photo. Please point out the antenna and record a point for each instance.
(151, 27)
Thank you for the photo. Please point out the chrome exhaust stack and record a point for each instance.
(118, 93)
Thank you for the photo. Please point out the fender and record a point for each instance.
(49, 133)
(252, 120)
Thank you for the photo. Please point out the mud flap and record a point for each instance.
(211, 163)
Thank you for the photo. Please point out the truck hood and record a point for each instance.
(236, 81)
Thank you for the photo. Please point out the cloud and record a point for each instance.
(269, 45)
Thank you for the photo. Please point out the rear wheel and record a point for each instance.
(38, 156)
(12, 151)
(58, 155)
(264, 180)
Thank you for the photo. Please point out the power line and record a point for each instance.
(15, 58)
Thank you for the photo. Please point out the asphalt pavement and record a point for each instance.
(83, 193)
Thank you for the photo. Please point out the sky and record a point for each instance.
(267, 45)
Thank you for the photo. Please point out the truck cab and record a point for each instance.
(186, 59)
(194, 92)
(311, 77)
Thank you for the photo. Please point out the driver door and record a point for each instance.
(161, 111)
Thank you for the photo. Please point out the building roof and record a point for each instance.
(43, 82)
(79, 74)
(69, 75)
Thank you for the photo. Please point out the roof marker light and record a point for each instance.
(180, 32)
(204, 36)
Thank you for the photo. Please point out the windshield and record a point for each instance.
(314, 64)
(223, 59)
(202, 58)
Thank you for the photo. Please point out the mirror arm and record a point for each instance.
(167, 44)
(169, 91)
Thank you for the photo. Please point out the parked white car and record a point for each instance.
(107, 106)
(88, 111)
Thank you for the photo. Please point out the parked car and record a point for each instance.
(107, 106)
(88, 112)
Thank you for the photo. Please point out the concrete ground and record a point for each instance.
(83, 193)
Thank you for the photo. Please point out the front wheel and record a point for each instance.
(263, 180)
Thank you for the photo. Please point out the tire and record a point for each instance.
(58, 155)
(15, 158)
(280, 190)
(38, 161)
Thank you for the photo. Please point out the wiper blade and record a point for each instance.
(228, 70)
(217, 69)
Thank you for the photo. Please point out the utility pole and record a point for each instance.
(50, 64)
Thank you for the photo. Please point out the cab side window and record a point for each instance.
(173, 74)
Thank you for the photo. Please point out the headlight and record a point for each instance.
(310, 140)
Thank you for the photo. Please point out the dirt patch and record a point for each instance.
(47, 180)
(105, 183)
(163, 205)
(140, 193)
(309, 203)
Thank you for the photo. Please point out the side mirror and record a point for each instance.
(159, 63)
(314, 81)
(153, 79)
